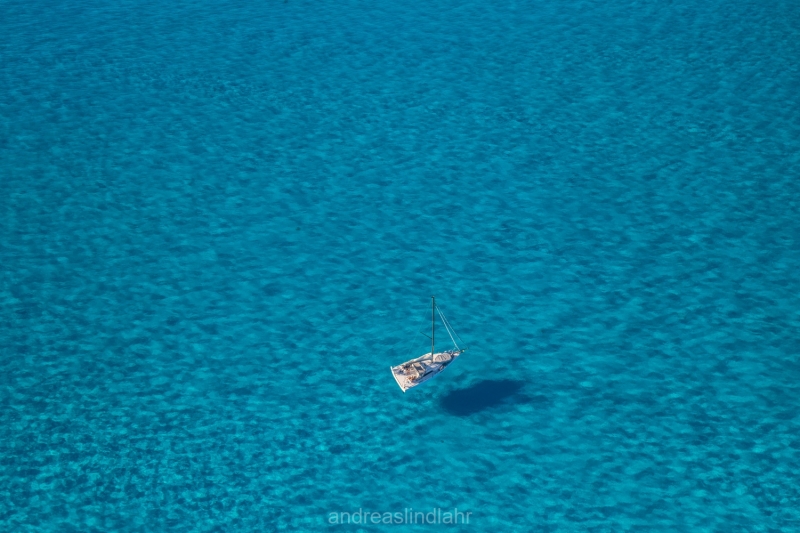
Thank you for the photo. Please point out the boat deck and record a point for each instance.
(419, 370)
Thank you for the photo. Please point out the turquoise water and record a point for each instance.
(221, 223)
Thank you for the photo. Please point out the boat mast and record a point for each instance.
(433, 330)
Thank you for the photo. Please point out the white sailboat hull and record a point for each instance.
(424, 368)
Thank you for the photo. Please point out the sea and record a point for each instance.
(221, 222)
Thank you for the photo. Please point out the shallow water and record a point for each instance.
(220, 224)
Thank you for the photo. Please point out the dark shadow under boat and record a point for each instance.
(484, 395)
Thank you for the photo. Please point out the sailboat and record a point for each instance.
(426, 367)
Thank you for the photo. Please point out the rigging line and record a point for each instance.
(447, 325)
(414, 340)
(410, 350)
(404, 336)
(453, 330)
(444, 321)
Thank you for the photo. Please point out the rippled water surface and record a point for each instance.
(221, 223)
